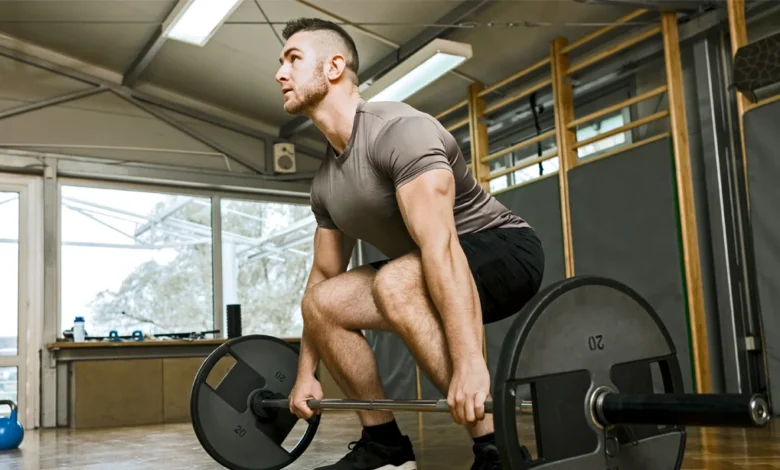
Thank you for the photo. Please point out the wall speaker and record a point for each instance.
(284, 158)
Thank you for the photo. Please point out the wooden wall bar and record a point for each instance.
(479, 135)
(566, 124)
(687, 204)
(563, 96)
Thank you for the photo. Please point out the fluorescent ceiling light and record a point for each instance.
(419, 70)
(195, 21)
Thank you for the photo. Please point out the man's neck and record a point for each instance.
(334, 117)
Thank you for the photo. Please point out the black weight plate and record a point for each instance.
(575, 336)
(222, 417)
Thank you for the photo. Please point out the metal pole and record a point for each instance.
(376, 405)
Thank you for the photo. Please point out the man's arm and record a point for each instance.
(332, 250)
(426, 204)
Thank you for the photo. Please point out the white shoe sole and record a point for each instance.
(406, 466)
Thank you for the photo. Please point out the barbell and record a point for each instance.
(606, 386)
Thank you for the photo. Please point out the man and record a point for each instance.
(395, 178)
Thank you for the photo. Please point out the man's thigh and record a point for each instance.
(347, 300)
(507, 266)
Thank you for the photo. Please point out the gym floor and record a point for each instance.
(439, 445)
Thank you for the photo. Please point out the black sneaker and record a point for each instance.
(486, 457)
(366, 454)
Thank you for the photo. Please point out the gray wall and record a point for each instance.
(624, 226)
(763, 165)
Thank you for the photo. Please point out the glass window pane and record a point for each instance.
(9, 386)
(135, 260)
(9, 273)
(600, 127)
(266, 259)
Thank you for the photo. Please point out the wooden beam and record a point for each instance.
(479, 135)
(451, 109)
(518, 146)
(457, 125)
(515, 76)
(617, 107)
(686, 204)
(517, 96)
(613, 49)
(522, 165)
(738, 33)
(602, 31)
(619, 130)
(566, 138)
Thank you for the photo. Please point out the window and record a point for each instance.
(9, 387)
(266, 259)
(524, 154)
(599, 127)
(549, 147)
(9, 277)
(135, 260)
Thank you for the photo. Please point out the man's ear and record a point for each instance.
(337, 65)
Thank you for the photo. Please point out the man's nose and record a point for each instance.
(281, 74)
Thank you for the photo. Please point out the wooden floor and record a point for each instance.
(439, 445)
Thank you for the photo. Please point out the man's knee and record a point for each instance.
(395, 285)
(313, 305)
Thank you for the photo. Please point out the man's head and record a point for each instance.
(317, 56)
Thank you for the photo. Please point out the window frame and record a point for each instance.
(214, 195)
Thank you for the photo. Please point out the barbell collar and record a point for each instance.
(718, 410)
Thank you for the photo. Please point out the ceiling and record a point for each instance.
(235, 69)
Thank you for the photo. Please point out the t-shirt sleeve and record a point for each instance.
(321, 214)
(408, 147)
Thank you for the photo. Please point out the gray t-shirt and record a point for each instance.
(391, 144)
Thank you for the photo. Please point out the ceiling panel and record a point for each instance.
(108, 33)
(369, 49)
(439, 96)
(235, 70)
(398, 20)
(110, 46)
(85, 10)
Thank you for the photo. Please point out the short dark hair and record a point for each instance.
(317, 24)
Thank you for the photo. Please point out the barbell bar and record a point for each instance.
(260, 403)
(721, 410)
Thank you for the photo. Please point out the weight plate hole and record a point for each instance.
(220, 370)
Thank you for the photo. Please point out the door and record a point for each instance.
(20, 289)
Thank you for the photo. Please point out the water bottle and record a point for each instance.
(78, 330)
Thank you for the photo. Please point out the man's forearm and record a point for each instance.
(309, 358)
(452, 290)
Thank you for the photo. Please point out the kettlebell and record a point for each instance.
(11, 430)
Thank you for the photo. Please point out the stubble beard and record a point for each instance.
(309, 95)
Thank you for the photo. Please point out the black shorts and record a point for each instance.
(507, 265)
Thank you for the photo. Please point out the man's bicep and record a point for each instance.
(332, 250)
(426, 205)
